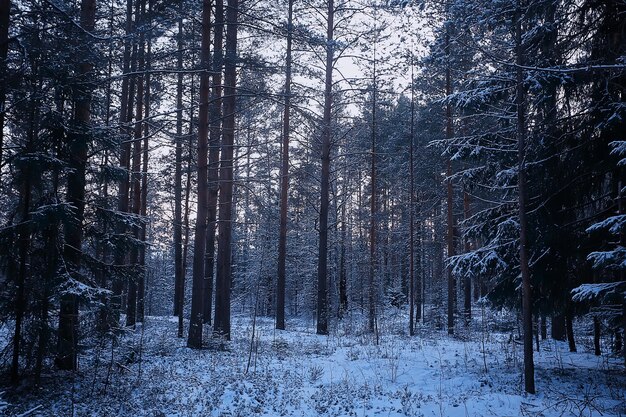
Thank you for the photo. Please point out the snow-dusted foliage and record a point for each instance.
(619, 149)
(494, 259)
(612, 260)
(591, 292)
(614, 225)
(3, 404)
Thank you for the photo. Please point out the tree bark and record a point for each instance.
(343, 275)
(467, 280)
(194, 339)
(5, 12)
(558, 327)
(141, 287)
(102, 247)
(284, 184)
(372, 264)
(570, 328)
(22, 273)
(131, 305)
(51, 260)
(621, 209)
(215, 115)
(126, 104)
(449, 190)
(596, 336)
(178, 175)
(420, 275)
(322, 262)
(187, 209)
(412, 296)
(72, 251)
(224, 249)
(529, 369)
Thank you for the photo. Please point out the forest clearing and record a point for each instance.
(298, 373)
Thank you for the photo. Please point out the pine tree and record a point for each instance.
(194, 339)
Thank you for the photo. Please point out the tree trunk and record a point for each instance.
(449, 191)
(558, 327)
(596, 336)
(51, 269)
(102, 251)
(178, 188)
(187, 209)
(420, 270)
(224, 249)
(436, 281)
(131, 306)
(215, 114)
(621, 209)
(372, 266)
(412, 296)
(21, 271)
(343, 275)
(624, 329)
(194, 339)
(536, 331)
(467, 281)
(529, 371)
(51, 256)
(284, 184)
(141, 287)
(322, 262)
(126, 105)
(20, 296)
(72, 251)
(477, 287)
(5, 11)
(570, 329)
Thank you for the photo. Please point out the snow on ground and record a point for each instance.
(298, 373)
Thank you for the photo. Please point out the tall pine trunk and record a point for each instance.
(215, 124)
(22, 272)
(284, 184)
(187, 208)
(141, 287)
(372, 260)
(5, 11)
(412, 295)
(194, 339)
(449, 192)
(72, 251)
(569, 325)
(131, 305)
(343, 278)
(529, 367)
(322, 262)
(179, 272)
(467, 279)
(127, 97)
(224, 249)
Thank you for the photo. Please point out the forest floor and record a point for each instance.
(297, 373)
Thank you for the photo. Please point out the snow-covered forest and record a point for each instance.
(312, 208)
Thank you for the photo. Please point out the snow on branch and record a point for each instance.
(589, 292)
(614, 224)
(614, 260)
(619, 148)
(75, 287)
